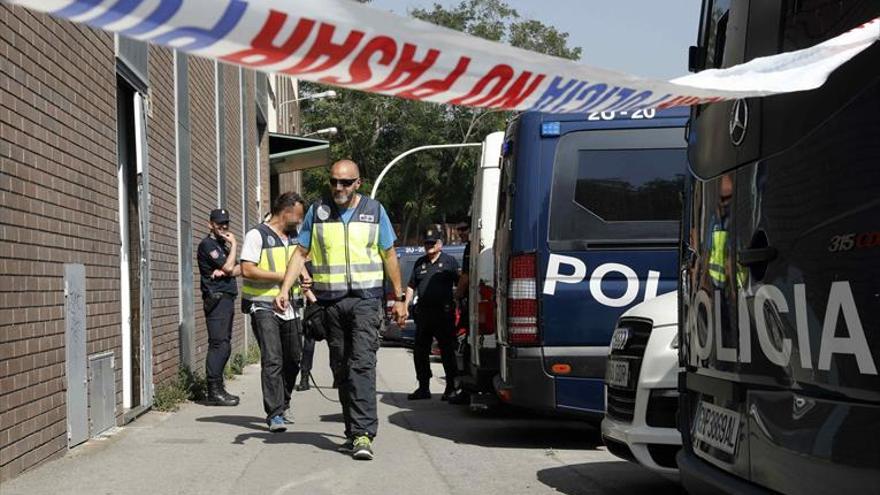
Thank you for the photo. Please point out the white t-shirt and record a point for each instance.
(251, 251)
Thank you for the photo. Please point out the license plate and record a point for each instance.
(617, 373)
(717, 426)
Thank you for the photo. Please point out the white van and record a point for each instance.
(641, 386)
(481, 364)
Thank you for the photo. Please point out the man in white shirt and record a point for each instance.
(264, 256)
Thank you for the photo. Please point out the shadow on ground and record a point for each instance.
(606, 477)
(500, 429)
(252, 422)
(320, 440)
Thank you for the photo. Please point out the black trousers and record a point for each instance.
(219, 312)
(280, 344)
(435, 322)
(353, 337)
(308, 356)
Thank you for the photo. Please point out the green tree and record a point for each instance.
(432, 186)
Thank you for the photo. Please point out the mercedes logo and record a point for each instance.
(739, 122)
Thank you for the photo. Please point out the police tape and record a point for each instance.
(351, 45)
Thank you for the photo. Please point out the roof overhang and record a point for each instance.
(288, 153)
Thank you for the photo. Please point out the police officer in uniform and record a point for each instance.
(217, 270)
(433, 277)
(264, 257)
(351, 242)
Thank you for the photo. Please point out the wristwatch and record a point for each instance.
(401, 298)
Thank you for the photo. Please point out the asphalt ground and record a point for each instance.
(423, 447)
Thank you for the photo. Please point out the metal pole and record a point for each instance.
(410, 152)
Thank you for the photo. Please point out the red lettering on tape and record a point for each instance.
(263, 43)
(434, 87)
(409, 67)
(360, 67)
(500, 75)
(323, 47)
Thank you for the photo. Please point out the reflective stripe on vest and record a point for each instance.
(717, 257)
(273, 258)
(346, 258)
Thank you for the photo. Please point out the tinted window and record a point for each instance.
(631, 185)
(716, 38)
(617, 187)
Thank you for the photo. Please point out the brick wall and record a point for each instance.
(165, 315)
(233, 177)
(58, 204)
(204, 180)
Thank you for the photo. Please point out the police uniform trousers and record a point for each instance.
(435, 322)
(219, 311)
(353, 337)
(308, 356)
(280, 344)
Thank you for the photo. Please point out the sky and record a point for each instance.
(648, 38)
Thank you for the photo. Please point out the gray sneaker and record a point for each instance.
(363, 448)
(288, 415)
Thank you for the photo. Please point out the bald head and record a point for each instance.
(344, 182)
(345, 169)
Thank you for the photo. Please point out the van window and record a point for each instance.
(719, 14)
(617, 187)
(630, 185)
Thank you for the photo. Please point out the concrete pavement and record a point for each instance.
(422, 447)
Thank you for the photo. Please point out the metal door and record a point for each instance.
(146, 350)
(75, 353)
(102, 393)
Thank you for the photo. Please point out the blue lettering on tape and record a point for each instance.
(553, 92)
(119, 10)
(201, 37)
(164, 12)
(594, 91)
(76, 8)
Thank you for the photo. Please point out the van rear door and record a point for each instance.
(615, 206)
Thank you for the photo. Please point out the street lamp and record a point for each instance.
(330, 131)
(411, 151)
(315, 96)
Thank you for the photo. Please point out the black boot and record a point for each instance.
(233, 398)
(423, 392)
(303, 383)
(449, 392)
(217, 396)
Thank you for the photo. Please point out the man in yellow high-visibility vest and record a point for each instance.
(267, 249)
(351, 242)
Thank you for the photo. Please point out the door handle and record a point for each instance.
(754, 256)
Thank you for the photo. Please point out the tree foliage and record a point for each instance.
(431, 186)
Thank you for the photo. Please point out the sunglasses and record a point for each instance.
(345, 182)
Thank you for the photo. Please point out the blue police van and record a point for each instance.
(588, 222)
(390, 331)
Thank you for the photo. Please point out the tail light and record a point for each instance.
(486, 310)
(522, 301)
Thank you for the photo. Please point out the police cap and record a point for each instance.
(220, 215)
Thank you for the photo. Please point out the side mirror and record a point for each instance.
(696, 56)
